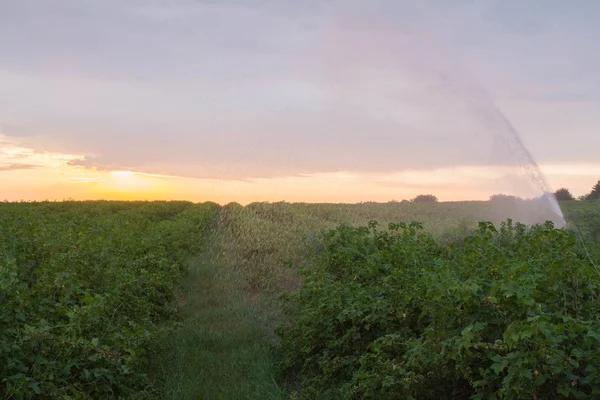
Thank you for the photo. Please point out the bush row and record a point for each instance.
(508, 313)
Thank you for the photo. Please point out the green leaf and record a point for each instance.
(499, 367)
(35, 387)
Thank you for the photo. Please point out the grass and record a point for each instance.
(220, 351)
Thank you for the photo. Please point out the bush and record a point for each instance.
(563, 194)
(507, 314)
(84, 289)
(425, 198)
(585, 220)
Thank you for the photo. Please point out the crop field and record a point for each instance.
(85, 288)
(175, 300)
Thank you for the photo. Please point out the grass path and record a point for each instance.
(220, 351)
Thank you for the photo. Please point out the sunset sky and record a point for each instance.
(265, 100)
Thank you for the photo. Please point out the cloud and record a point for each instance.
(16, 167)
(14, 131)
(95, 163)
(14, 156)
(238, 90)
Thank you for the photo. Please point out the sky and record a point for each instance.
(266, 100)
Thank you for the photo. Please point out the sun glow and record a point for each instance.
(27, 174)
(122, 173)
(32, 175)
(128, 185)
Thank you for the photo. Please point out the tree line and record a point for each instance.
(562, 194)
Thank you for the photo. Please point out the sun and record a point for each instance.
(128, 185)
(129, 180)
(122, 173)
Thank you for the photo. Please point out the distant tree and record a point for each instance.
(563, 194)
(425, 198)
(504, 198)
(595, 193)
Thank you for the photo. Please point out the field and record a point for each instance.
(175, 300)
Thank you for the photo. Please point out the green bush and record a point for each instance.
(425, 198)
(586, 221)
(508, 313)
(84, 288)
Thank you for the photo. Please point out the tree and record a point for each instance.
(563, 194)
(595, 193)
(504, 198)
(425, 198)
